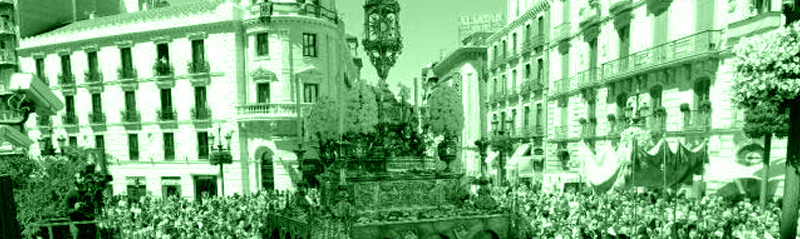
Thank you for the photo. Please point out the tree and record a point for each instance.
(446, 118)
(361, 116)
(323, 127)
(766, 120)
(768, 69)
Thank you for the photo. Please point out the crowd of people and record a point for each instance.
(537, 215)
(650, 214)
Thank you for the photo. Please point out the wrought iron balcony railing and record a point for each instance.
(130, 116)
(669, 53)
(162, 68)
(269, 8)
(93, 76)
(256, 111)
(126, 73)
(562, 132)
(539, 130)
(97, 117)
(588, 77)
(561, 86)
(69, 118)
(166, 114)
(201, 113)
(66, 79)
(562, 31)
(7, 26)
(197, 67)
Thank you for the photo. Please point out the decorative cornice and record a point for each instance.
(201, 35)
(161, 39)
(134, 37)
(263, 75)
(91, 48)
(124, 44)
(540, 7)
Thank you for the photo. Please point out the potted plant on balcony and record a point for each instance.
(161, 67)
(446, 119)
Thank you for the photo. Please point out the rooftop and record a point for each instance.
(139, 16)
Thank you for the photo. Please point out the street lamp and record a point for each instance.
(482, 144)
(221, 154)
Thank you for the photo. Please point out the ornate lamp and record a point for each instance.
(221, 154)
(382, 40)
(62, 142)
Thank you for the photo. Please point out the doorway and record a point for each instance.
(204, 184)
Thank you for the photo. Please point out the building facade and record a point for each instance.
(518, 79)
(156, 88)
(465, 70)
(673, 56)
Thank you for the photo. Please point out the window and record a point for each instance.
(69, 102)
(40, 70)
(309, 45)
(526, 118)
(202, 145)
(130, 101)
(267, 172)
(163, 51)
(494, 53)
(133, 146)
(540, 69)
(527, 71)
(166, 98)
(624, 43)
(593, 54)
(514, 43)
(527, 32)
(262, 93)
(127, 60)
(514, 79)
(513, 124)
(505, 48)
(200, 99)
(540, 22)
(170, 187)
(539, 115)
(73, 141)
(66, 65)
(97, 103)
(198, 51)
(262, 44)
(169, 146)
(94, 65)
(310, 93)
(100, 142)
(502, 121)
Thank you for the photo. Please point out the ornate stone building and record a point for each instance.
(152, 88)
(670, 55)
(517, 101)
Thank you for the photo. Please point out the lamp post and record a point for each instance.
(482, 144)
(300, 152)
(221, 154)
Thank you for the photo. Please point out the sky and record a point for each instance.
(429, 29)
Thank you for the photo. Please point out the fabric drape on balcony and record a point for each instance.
(515, 158)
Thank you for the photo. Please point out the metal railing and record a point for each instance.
(268, 9)
(201, 113)
(69, 118)
(562, 31)
(63, 223)
(561, 132)
(7, 26)
(166, 114)
(162, 68)
(269, 110)
(588, 77)
(65, 79)
(561, 86)
(693, 45)
(130, 116)
(97, 117)
(126, 73)
(93, 76)
(198, 67)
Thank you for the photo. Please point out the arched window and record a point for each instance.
(267, 172)
(655, 96)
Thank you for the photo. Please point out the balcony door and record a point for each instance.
(205, 184)
(93, 63)
(262, 93)
(127, 60)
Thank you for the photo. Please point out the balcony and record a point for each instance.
(7, 27)
(261, 111)
(618, 6)
(166, 114)
(589, 130)
(126, 74)
(538, 130)
(130, 116)
(67, 83)
(561, 133)
(163, 68)
(266, 10)
(69, 119)
(97, 118)
(589, 16)
(588, 78)
(562, 32)
(685, 49)
(201, 113)
(44, 121)
(561, 86)
(513, 94)
(94, 80)
(8, 57)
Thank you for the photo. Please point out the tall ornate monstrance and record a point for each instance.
(382, 40)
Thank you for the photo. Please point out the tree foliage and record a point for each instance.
(445, 112)
(767, 68)
(766, 119)
(323, 120)
(361, 113)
